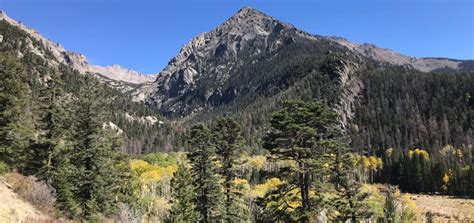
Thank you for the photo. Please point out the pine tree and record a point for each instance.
(16, 124)
(228, 141)
(54, 133)
(97, 179)
(53, 148)
(183, 197)
(62, 179)
(202, 158)
(302, 132)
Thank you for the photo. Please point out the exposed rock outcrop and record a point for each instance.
(214, 56)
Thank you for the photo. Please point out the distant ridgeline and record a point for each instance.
(141, 128)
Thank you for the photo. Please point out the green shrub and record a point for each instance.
(3, 168)
(161, 159)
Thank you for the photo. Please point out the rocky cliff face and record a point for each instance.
(211, 58)
(76, 60)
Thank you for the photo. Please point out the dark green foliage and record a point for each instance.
(202, 157)
(228, 141)
(52, 125)
(408, 109)
(303, 132)
(94, 156)
(62, 179)
(183, 208)
(418, 174)
(16, 123)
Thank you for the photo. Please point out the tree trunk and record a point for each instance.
(304, 189)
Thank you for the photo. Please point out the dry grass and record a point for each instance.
(35, 192)
(14, 209)
(445, 208)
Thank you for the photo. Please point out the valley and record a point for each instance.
(253, 121)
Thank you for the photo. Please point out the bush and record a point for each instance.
(35, 192)
(3, 168)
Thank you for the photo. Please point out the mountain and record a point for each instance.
(203, 75)
(245, 67)
(114, 73)
(205, 72)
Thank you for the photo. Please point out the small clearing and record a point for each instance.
(445, 208)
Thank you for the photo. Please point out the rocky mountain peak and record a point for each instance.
(254, 21)
(229, 38)
(212, 56)
(248, 12)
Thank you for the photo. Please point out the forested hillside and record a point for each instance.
(143, 129)
(70, 130)
(406, 109)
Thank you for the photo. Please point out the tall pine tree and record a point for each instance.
(16, 123)
(228, 142)
(53, 128)
(98, 180)
(183, 196)
(202, 157)
(302, 132)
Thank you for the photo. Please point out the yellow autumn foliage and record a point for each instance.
(410, 211)
(365, 162)
(242, 186)
(458, 153)
(150, 175)
(419, 153)
(257, 162)
(139, 166)
(293, 199)
(447, 180)
(260, 190)
(372, 162)
(326, 166)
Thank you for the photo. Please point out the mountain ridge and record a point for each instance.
(77, 60)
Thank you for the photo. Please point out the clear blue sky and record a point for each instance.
(145, 34)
